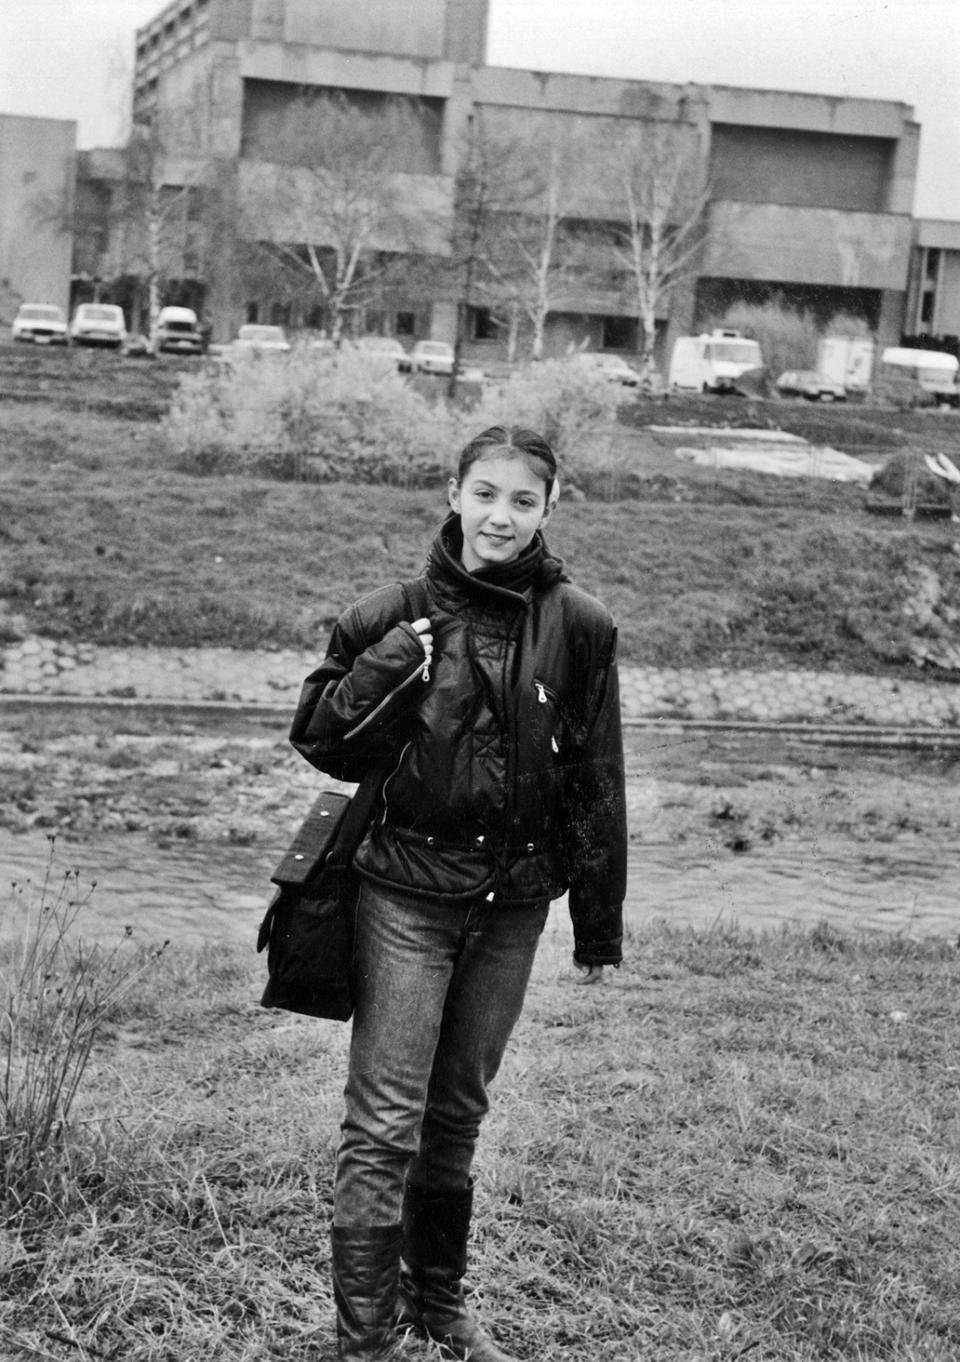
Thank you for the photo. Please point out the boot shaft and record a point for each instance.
(436, 1227)
(365, 1263)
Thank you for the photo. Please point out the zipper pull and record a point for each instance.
(425, 672)
(541, 692)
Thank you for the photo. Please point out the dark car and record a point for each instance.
(811, 385)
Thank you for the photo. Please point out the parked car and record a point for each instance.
(255, 336)
(98, 324)
(41, 323)
(386, 347)
(432, 357)
(611, 367)
(811, 385)
(178, 330)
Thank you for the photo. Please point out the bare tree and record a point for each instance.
(155, 214)
(539, 266)
(328, 199)
(656, 176)
(492, 186)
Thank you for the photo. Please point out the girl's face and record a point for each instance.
(501, 504)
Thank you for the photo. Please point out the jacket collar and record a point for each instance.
(508, 584)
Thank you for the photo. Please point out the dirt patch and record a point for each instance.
(182, 824)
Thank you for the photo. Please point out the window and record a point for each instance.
(253, 312)
(619, 333)
(406, 323)
(482, 325)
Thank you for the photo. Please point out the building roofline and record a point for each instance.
(705, 89)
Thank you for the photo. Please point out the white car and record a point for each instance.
(255, 336)
(611, 367)
(432, 357)
(98, 324)
(41, 323)
(387, 348)
(177, 329)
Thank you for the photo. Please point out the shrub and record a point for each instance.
(56, 995)
(309, 416)
(575, 409)
(788, 339)
(336, 418)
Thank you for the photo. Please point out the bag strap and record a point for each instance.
(357, 817)
(415, 597)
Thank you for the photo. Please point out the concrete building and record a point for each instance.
(37, 158)
(809, 196)
(933, 299)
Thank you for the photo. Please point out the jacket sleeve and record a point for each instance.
(595, 824)
(348, 710)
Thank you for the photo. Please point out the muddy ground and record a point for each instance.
(181, 816)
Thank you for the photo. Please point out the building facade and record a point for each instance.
(801, 197)
(933, 295)
(37, 170)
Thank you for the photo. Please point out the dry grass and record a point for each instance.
(737, 1146)
(104, 539)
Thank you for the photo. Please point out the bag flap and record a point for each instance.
(305, 854)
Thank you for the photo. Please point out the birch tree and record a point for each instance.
(657, 182)
(162, 220)
(329, 202)
(537, 268)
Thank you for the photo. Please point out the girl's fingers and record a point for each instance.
(423, 628)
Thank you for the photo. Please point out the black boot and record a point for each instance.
(435, 1230)
(366, 1264)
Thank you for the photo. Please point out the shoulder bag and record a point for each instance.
(308, 929)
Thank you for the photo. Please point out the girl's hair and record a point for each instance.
(515, 441)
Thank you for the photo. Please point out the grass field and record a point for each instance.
(104, 538)
(737, 1146)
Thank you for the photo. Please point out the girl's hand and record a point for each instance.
(588, 974)
(423, 628)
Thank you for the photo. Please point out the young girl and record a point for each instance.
(497, 715)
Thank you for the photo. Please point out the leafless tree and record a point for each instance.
(492, 186)
(539, 266)
(157, 206)
(656, 178)
(324, 194)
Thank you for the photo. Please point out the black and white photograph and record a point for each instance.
(479, 680)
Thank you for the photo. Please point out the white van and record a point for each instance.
(934, 371)
(712, 363)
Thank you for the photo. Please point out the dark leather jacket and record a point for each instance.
(505, 761)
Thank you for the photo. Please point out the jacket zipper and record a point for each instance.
(544, 695)
(423, 671)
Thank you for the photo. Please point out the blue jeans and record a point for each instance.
(439, 988)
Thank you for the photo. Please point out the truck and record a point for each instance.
(846, 361)
(712, 362)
